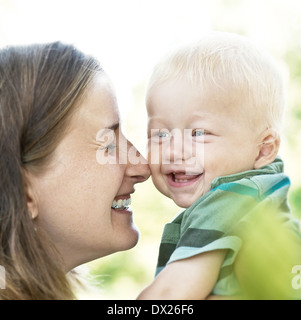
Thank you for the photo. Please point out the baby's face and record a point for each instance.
(195, 136)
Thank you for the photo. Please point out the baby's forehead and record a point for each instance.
(197, 96)
(231, 70)
(181, 101)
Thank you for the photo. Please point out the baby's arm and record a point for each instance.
(192, 278)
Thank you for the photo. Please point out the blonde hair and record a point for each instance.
(40, 89)
(228, 61)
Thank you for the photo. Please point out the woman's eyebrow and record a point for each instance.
(113, 127)
(104, 131)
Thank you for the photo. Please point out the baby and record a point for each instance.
(214, 116)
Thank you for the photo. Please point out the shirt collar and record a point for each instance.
(274, 167)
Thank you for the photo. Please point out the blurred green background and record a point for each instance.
(128, 37)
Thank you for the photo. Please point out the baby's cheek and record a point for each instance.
(154, 155)
(155, 170)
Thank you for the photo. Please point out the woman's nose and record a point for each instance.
(137, 166)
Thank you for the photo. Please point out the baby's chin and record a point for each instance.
(185, 201)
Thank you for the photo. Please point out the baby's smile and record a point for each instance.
(182, 179)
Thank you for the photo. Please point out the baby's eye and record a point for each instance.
(199, 133)
(163, 134)
(159, 133)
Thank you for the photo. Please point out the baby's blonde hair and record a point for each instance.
(225, 61)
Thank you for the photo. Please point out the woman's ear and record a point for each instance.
(268, 148)
(31, 201)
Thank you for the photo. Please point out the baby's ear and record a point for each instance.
(268, 148)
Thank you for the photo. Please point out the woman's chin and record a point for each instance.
(130, 239)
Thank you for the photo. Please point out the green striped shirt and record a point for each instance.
(212, 221)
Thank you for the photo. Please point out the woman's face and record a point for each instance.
(74, 195)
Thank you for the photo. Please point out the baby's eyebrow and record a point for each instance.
(156, 118)
(157, 122)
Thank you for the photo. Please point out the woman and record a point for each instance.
(56, 197)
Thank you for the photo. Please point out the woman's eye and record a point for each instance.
(109, 148)
(108, 143)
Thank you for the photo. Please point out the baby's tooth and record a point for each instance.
(114, 204)
(119, 203)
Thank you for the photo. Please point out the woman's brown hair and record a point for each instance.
(40, 87)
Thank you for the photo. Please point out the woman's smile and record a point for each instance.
(121, 203)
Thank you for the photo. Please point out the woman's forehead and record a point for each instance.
(99, 109)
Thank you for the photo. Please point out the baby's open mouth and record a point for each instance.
(121, 204)
(183, 177)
